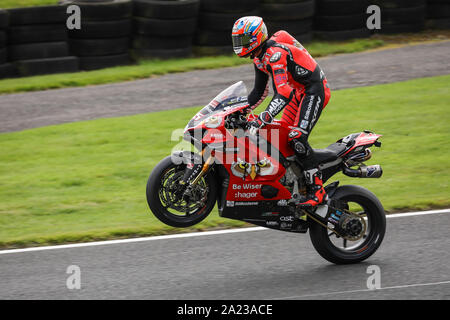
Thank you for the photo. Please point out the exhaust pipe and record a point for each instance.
(373, 171)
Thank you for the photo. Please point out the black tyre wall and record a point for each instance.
(295, 17)
(341, 19)
(37, 33)
(37, 15)
(42, 50)
(401, 16)
(216, 19)
(4, 19)
(37, 38)
(161, 27)
(102, 29)
(159, 9)
(44, 66)
(99, 62)
(105, 11)
(105, 35)
(8, 70)
(99, 47)
(288, 11)
(228, 6)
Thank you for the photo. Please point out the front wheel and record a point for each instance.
(360, 202)
(170, 205)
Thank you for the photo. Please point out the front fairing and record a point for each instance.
(213, 114)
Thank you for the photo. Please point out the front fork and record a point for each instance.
(194, 172)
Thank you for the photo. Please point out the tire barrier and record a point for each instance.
(438, 14)
(216, 19)
(293, 16)
(7, 69)
(164, 29)
(37, 41)
(401, 16)
(341, 19)
(104, 38)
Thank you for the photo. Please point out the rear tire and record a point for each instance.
(377, 226)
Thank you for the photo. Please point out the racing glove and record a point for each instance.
(263, 119)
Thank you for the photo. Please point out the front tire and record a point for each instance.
(321, 237)
(169, 209)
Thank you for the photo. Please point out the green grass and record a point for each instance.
(148, 68)
(6, 4)
(86, 180)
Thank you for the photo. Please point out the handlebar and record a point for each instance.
(236, 121)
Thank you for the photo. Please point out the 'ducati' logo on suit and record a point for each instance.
(242, 169)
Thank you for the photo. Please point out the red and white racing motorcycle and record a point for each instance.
(257, 179)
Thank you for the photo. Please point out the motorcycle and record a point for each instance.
(258, 179)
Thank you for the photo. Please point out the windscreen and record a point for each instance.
(233, 96)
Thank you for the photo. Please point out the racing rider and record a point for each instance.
(300, 90)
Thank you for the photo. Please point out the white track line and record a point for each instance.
(187, 235)
(364, 290)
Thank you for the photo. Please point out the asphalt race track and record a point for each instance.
(258, 264)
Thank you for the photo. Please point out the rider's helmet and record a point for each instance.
(248, 34)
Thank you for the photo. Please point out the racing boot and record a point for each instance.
(316, 193)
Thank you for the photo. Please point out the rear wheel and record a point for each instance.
(358, 247)
(167, 202)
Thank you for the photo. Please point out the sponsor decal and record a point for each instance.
(271, 223)
(332, 221)
(246, 203)
(245, 195)
(304, 124)
(243, 169)
(247, 186)
(285, 225)
(316, 110)
(287, 218)
(230, 203)
(258, 64)
(335, 217)
(301, 71)
(217, 135)
(279, 71)
(276, 105)
(310, 104)
(282, 203)
(275, 57)
(269, 214)
(280, 80)
(370, 170)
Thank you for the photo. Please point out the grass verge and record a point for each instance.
(7, 4)
(86, 180)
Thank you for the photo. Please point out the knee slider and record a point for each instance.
(299, 147)
(297, 140)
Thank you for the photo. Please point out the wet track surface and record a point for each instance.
(36, 109)
(413, 259)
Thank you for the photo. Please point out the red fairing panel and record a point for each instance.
(366, 138)
(250, 167)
